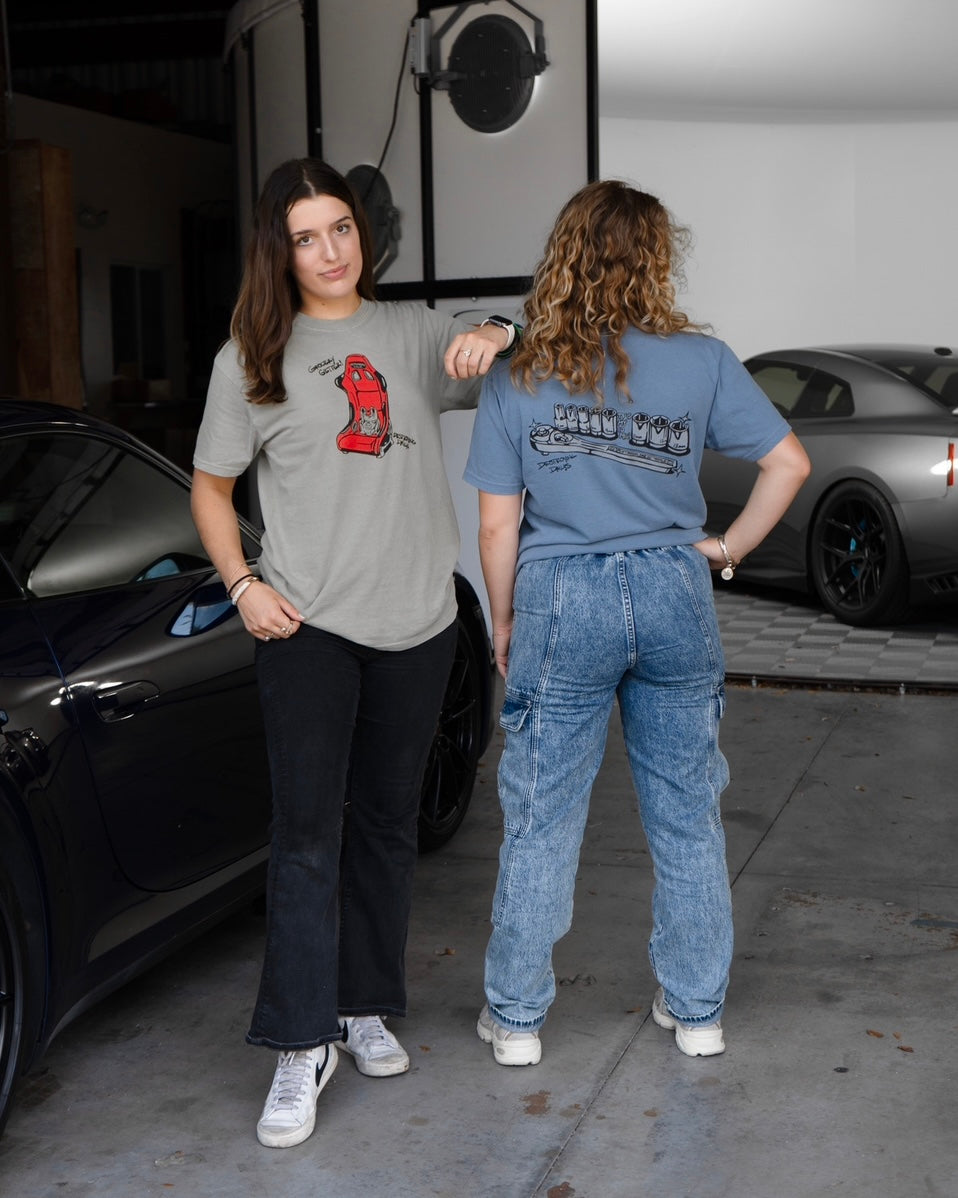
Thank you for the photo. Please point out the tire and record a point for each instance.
(451, 769)
(12, 991)
(857, 559)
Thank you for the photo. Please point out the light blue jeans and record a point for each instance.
(640, 626)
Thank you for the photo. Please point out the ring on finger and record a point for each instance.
(465, 352)
(267, 637)
(287, 630)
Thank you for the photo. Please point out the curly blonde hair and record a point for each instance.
(610, 263)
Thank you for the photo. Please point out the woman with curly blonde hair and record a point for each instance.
(609, 265)
(586, 453)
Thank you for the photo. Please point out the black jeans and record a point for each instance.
(348, 730)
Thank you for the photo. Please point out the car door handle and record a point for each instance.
(117, 702)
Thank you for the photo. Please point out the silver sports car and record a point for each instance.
(875, 528)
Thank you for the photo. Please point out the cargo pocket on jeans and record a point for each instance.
(514, 712)
(517, 765)
(718, 766)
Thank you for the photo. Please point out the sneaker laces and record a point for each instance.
(372, 1036)
(290, 1081)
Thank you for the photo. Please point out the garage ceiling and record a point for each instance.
(678, 59)
(778, 59)
(62, 33)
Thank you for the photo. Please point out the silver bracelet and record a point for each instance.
(242, 589)
(728, 571)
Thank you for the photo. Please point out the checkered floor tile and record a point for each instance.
(767, 637)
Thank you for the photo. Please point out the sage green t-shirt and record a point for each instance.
(360, 529)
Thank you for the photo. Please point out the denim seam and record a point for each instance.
(535, 709)
(631, 640)
(716, 659)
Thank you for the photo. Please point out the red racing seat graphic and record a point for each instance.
(368, 427)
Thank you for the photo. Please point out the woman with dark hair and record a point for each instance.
(586, 454)
(353, 613)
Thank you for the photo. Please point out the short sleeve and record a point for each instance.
(743, 422)
(225, 443)
(454, 394)
(495, 453)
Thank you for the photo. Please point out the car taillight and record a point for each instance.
(951, 464)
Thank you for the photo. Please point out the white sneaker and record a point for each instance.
(376, 1051)
(289, 1115)
(705, 1040)
(508, 1047)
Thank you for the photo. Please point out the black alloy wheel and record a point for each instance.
(857, 558)
(451, 768)
(11, 1000)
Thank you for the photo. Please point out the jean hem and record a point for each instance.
(294, 1046)
(374, 1009)
(697, 1020)
(516, 1025)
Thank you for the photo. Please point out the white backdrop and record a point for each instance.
(806, 233)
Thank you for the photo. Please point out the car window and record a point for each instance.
(802, 392)
(78, 513)
(940, 380)
(782, 383)
(932, 371)
(823, 395)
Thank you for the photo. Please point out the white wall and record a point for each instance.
(805, 233)
(142, 178)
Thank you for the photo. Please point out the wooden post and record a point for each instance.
(45, 274)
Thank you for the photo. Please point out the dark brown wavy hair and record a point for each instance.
(610, 263)
(269, 296)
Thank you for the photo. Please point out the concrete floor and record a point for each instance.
(839, 1078)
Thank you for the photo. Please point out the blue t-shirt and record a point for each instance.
(623, 476)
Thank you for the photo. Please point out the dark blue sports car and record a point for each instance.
(134, 796)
